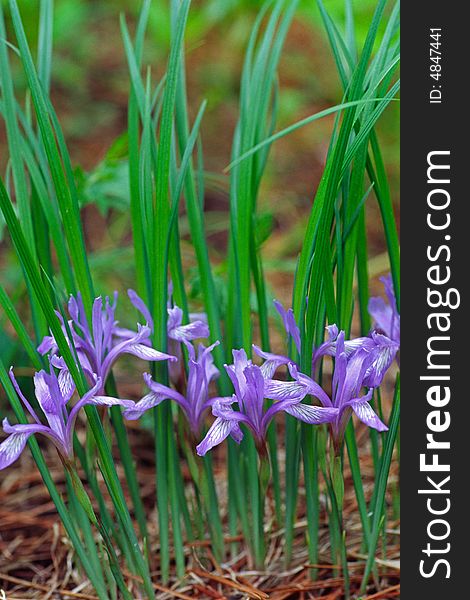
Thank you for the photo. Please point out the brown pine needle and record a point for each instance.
(383, 594)
(251, 591)
(44, 588)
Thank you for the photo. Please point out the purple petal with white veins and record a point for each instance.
(14, 444)
(297, 389)
(166, 392)
(79, 315)
(314, 415)
(328, 348)
(253, 401)
(191, 331)
(349, 374)
(147, 353)
(272, 362)
(195, 329)
(386, 316)
(304, 412)
(350, 346)
(219, 400)
(349, 382)
(222, 407)
(284, 390)
(109, 322)
(110, 401)
(11, 448)
(66, 384)
(146, 403)
(73, 309)
(384, 351)
(218, 432)
(44, 394)
(332, 331)
(366, 413)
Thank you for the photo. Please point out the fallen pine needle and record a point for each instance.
(209, 591)
(247, 589)
(383, 593)
(161, 588)
(44, 588)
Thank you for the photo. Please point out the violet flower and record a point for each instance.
(386, 316)
(196, 401)
(195, 329)
(273, 361)
(382, 348)
(249, 385)
(349, 376)
(98, 346)
(53, 393)
(382, 345)
(177, 333)
(289, 322)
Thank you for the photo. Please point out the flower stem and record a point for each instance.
(337, 501)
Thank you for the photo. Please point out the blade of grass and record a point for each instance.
(13, 137)
(69, 209)
(20, 329)
(141, 258)
(44, 58)
(159, 263)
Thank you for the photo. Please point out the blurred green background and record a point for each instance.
(90, 87)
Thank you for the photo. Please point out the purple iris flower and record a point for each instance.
(273, 361)
(383, 346)
(386, 317)
(98, 346)
(380, 346)
(53, 392)
(249, 385)
(196, 401)
(289, 322)
(349, 376)
(178, 333)
(195, 329)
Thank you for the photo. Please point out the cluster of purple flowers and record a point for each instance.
(359, 363)
(97, 346)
